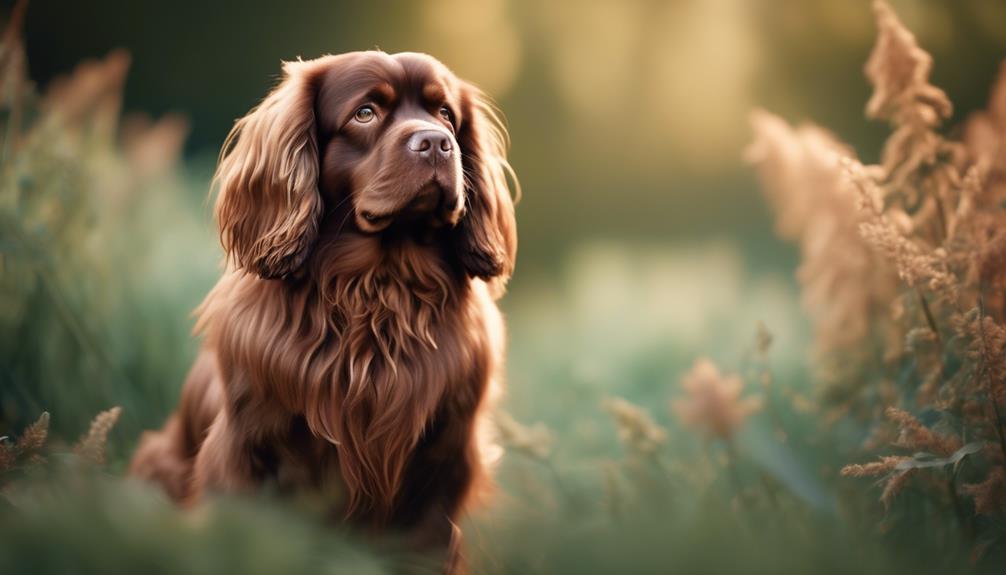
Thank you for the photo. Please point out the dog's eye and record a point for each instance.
(445, 113)
(364, 114)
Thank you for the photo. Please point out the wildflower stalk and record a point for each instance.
(93, 444)
(988, 376)
(941, 216)
(999, 425)
(763, 341)
(533, 442)
(930, 319)
(963, 519)
(732, 471)
(614, 498)
(931, 322)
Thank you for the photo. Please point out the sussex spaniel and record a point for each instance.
(352, 343)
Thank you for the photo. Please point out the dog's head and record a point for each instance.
(371, 143)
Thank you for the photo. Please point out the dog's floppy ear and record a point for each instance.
(268, 206)
(488, 232)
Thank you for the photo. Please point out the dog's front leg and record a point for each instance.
(224, 462)
(436, 535)
(439, 480)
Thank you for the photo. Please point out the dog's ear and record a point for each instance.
(487, 243)
(268, 205)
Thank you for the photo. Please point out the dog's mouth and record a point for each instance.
(432, 206)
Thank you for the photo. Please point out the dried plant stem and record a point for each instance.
(735, 480)
(930, 319)
(765, 379)
(963, 519)
(987, 376)
(999, 425)
(931, 322)
(614, 498)
(941, 215)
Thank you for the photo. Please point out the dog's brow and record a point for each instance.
(383, 94)
(434, 93)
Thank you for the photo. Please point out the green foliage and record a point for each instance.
(90, 523)
(102, 249)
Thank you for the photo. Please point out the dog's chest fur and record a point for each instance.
(370, 358)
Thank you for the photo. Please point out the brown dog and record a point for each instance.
(352, 342)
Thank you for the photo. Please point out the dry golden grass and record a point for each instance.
(931, 213)
(91, 446)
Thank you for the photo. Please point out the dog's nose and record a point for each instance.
(426, 143)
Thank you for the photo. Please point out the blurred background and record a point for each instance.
(627, 118)
(640, 228)
(645, 241)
